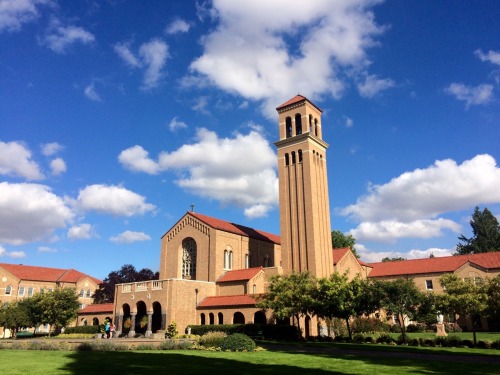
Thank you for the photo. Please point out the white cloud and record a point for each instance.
(408, 205)
(152, 57)
(377, 256)
(491, 56)
(201, 105)
(58, 38)
(123, 50)
(91, 93)
(114, 200)
(15, 160)
(130, 237)
(391, 230)
(178, 26)
(46, 249)
(57, 166)
(15, 13)
(263, 50)
(16, 254)
(35, 204)
(348, 122)
(373, 85)
(481, 94)
(239, 170)
(81, 232)
(176, 125)
(137, 159)
(49, 149)
(258, 210)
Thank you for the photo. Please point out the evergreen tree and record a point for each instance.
(486, 234)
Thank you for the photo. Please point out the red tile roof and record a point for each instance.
(237, 229)
(97, 308)
(338, 254)
(242, 300)
(434, 265)
(239, 275)
(296, 99)
(35, 273)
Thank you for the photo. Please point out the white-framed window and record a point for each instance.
(82, 293)
(89, 293)
(42, 290)
(267, 263)
(247, 260)
(30, 291)
(8, 290)
(20, 291)
(428, 285)
(228, 259)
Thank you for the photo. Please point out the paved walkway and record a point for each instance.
(443, 357)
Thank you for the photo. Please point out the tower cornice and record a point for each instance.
(301, 138)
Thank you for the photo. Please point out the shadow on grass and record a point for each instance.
(271, 362)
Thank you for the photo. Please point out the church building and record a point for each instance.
(211, 270)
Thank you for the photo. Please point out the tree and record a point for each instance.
(340, 240)
(13, 316)
(464, 297)
(493, 291)
(126, 274)
(289, 296)
(486, 234)
(387, 259)
(402, 298)
(58, 307)
(337, 297)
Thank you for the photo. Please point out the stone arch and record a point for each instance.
(211, 319)
(288, 127)
(298, 124)
(238, 318)
(127, 316)
(157, 318)
(189, 250)
(287, 159)
(83, 322)
(95, 321)
(220, 317)
(259, 317)
(141, 319)
(202, 319)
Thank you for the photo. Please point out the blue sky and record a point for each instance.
(117, 116)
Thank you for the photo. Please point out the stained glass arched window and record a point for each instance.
(189, 258)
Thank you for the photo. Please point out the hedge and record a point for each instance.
(267, 331)
(82, 329)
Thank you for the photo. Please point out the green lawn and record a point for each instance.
(34, 362)
(491, 336)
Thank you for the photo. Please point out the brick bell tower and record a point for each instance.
(306, 242)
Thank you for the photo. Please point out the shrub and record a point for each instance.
(395, 328)
(402, 340)
(238, 342)
(82, 329)
(430, 342)
(414, 342)
(484, 344)
(467, 343)
(495, 344)
(369, 339)
(365, 325)
(452, 341)
(418, 327)
(171, 330)
(358, 338)
(385, 338)
(212, 339)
